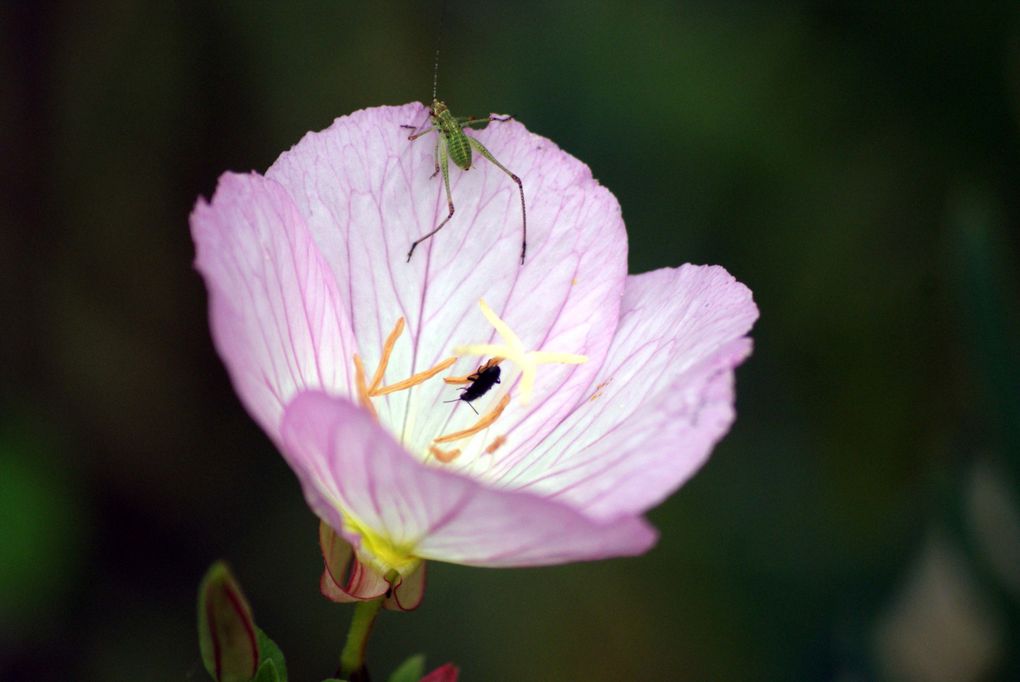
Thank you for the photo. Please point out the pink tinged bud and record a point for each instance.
(346, 579)
(226, 629)
(444, 673)
(412, 670)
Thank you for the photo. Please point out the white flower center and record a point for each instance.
(477, 383)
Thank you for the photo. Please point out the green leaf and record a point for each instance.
(271, 654)
(410, 670)
(226, 629)
(268, 673)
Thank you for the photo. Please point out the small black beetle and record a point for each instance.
(483, 379)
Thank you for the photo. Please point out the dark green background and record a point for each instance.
(856, 164)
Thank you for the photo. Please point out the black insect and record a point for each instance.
(482, 380)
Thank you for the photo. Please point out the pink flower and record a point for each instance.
(613, 390)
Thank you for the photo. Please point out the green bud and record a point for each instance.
(410, 670)
(226, 630)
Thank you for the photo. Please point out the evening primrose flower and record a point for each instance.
(345, 354)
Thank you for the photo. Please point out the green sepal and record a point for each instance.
(410, 670)
(226, 630)
(273, 667)
(267, 673)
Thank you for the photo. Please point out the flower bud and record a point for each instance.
(444, 673)
(226, 630)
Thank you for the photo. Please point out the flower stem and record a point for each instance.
(352, 658)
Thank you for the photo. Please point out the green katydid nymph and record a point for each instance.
(452, 143)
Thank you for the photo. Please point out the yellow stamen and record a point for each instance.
(363, 395)
(496, 444)
(444, 456)
(391, 341)
(480, 425)
(512, 349)
(415, 379)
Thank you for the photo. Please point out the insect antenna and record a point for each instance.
(456, 400)
(439, 40)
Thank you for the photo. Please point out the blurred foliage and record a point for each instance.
(855, 163)
(45, 528)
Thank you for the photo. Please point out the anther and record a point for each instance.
(415, 379)
(391, 341)
(444, 456)
(487, 419)
(495, 445)
(363, 395)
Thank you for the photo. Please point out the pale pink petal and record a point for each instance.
(346, 461)
(662, 400)
(366, 193)
(276, 318)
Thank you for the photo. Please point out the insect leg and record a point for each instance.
(475, 144)
(419, 130)
(444, 166)
(414, 136)
(471, 120)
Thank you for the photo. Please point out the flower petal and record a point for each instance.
(660, 403)
(350, 467)
(367, 193)
(273, 306)
(362, 582)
